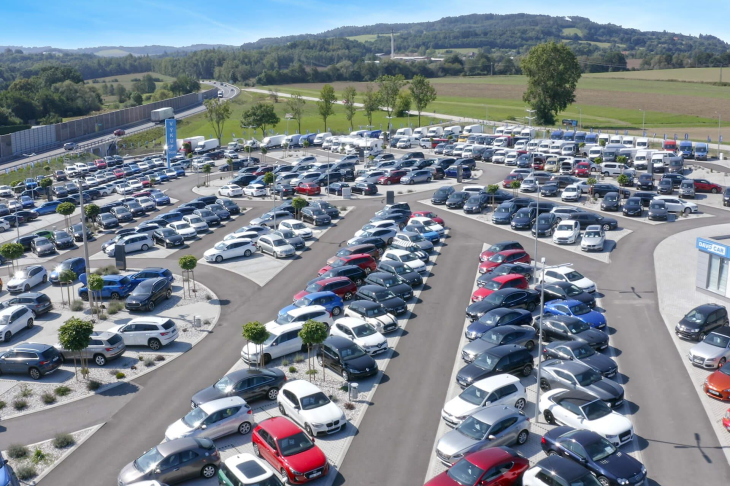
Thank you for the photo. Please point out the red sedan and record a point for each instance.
(582, 169)
(494, 466)
(263, 170)
(308, 189)
(510, 179)
(100, 164)
(428, 214)
(393, 177)
(510, 281)
(717, 384)
(142, 194)
(506, 256)
(288, 448)
(118, 132)
(362, 260)
(118, 173)
(342, 286)
(703, 185)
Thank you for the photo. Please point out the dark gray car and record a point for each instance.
(497, 336)
(580, 351)
(573, 375)
(208, 216)
(392, 283)
(658, 210)
(249, 384)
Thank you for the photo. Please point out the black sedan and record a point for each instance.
(167, 237)
(645, 181)
(381, 295)
(499, 197)
(146, 295)
(503, 214)
(549, 190)
(230, 206)
(402, 271)
(336, 188)
(632, 207)
(364, 188)
(107, 220)
(545, 224)
(457, 200)
(77, 231)
(62, 239)
(315, 216)
(586, 219)
(566, 291)
(442, 195)
(658, 210)
(591, 451)
(502, 316)
(122, 214)
(208, 216)
(506, 269)
(512, 298)
(28, 215)
(476, 203)
(249, 384)
(580, 351)
(346, 358)
(283, 190)
(611, 202)
(13, 220)
(523, 219)
(26, 240)
(568, 328)
(392, 283)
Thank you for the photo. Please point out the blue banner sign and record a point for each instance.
(171, 139)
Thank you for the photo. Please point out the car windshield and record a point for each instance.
(363, 330)
(695, 316)
(317, 400)
(286, 318)
(573, 276)
(725, 370)
(220, 246)
(416, 238)
(409, 257)
(656, 205)
(494, 337)
(545, 220)
(194, 417)
(502, 209)
(313, 287)
(294, 444)
(497, 258)
(473, 428)
(580, 309)
(278, 242)
(592, 234)
(576, 326)
(465, 473)
(572, 291)
(351, 352)
(486, 361)
(595, 410)
(298, 226)
(224, 384)
(474, 395)
(493, 285)
(148, 460)
(383, 294)
(716, 339)
(600, 449)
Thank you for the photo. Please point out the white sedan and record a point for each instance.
(223, 250)
(308, 406)
(361, 333)
(26, 279)
(231, 190)
(384, 223)
(147, 203)
(371, 177)
(677, 205)
(567, 232)
(184, 229)
(299, 228)
(135, 184)
(571, 193)
(567, 274)
(254, 190)
(406, 257)
(196, 222)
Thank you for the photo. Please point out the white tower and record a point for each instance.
(392, 45)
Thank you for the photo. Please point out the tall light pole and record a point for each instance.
(643, 120)
(539, 338)
(536, 223)
(719, 131)
(580, 118)
(85, 243)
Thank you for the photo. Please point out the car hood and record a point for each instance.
(477, 327)
(599, 362)
(458, 407)
(611, 424)
(471, 373)
(138, 298)
(321, 415)
(207, 395)
(591, 240)
(478, 346)
(502, 216)
(130, 475)
(383, 320)
(307, 460)
(454, 442)
(369, 341)
(177, 430)
(604, 389)
(400, 289)
(543, 226)
(521, 220)
(210, 252)
(584, 283)
(298, 296)
(707, 350)
(593, 336)
(621, 464)
(16, 281)
(687, 324)
(594, 318)
(393, 303)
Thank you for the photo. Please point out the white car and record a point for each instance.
(254, 190)
(567, 274)
(511, 158)
(499, 156)
(499, 390)
(214, 419)
(4, 225)
(223, 250)
(371, 177)
(304, 403)
(361, 333)
(372, 313)
(428, 223)
(252, 231)
(231, 190)
(184, 229)
(144, 165)
(171, 173)
(406, 257)
(135, 184)
(385, 223)
(299, 228)
(677, 205)
(237, 235)
(404, 143)
(153, 332)
(571, 193)
(567, 232)
(92, 181)
(147, 203)
(385, 234)
(196, 222)
(474, 189)
(14, 319)
(123, 188)
(583, 411)
(106, 190)
(26, 279)
(6, 191)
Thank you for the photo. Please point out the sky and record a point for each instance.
(91, 23)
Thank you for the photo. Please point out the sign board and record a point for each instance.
(575, 123)
(665, 136)
(708, 140)
(643, 134)
(616, 132)
(626, 132)
(712, 247)
(720, 138)
(171, 138)
(675, 136)
(686, 136)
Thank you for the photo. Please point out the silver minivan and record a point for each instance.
(687, 189)
(615, 169)
(283, 340)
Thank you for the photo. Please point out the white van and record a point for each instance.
(473, 129)
(321, 137)
(420, 132)
(616, 139)
(273, 141)
(283, 340)
(435, 132)
(544, 146)
(642, 158)
(642, 143)
(660, 160)
(628, 142)
(404, 132)
(595, 152)
(454, 131)
(605, 137)
(527, 132)
(533, 145)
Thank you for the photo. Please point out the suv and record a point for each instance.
(600, 189)
(38, 302)
(509, 358)
(153, 332)
(33, 359)
(275, 245)
(103, 346)
(14, 319)
(700, 321)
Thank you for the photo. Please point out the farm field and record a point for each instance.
(126, 79)
(709, 75)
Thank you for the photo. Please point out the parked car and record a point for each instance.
(700, 321)
(499, 336)
(568, 328)
(104, 346)
(27, 278)
(594, 239)
(306, 405)
(573, 375)
(558, 470)
(495, 391)
(232, 248)
(713, 351)
(509, 358)
(581, 352)
(147, 293)
(214, 419)
(32, 359)
(248, 384)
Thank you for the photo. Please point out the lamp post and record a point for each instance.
(643, 120)
(390, 126)
(580, 118)
(536, 221)
(539, 338)
(719, 131)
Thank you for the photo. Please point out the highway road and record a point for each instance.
(394, 439)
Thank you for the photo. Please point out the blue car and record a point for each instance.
(185, 210)
(465, 172)
(135, 169)
(428, 234)
(116, 287)
(576, 309)
(152, 272)
(161, 177)
(179, 169)
(30, 183)
(329, 300)
(27, 202)
(47, 208)
(76, 265)
(160, 198)
(502, 316)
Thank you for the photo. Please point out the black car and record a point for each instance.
(381, 295)
(700, 321)
(27, 215)
(327, 207)
(376, 241)
(558, 470)
(585, 449)
(476, 203)
(542, 207)
(107, 220)
(148, 293)
(249, 384)
(658, 210)
(470, 163)
(442, 194)
(502, 316)
(208, 216)
(511, 298)
(563, 181)
(390, 282)
(336, 188)
(600, 189)
(346, 358)
(676, 179)
(353, 272)
(507, 358)
(545, 224)
(549, 190)
(31, 359)
(315, 216)
(665, 187)
(243, 180)
(364, 188)
(646, 197)
(503, 213)
(195, 204)
(586, 219)
(26, 241)
(499, 197)
(726, 197)
(219, 211)
(645, 181)
(363, 249)
(506, 269)
(632, 207)
(569, 328)
(61, 239)
(230, 206)
(122, 214)
(580, 351)
(611, 202)
(566, 291)
(167, 237)
(524, 219)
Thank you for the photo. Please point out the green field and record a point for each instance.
(708, 75)
(126, 79)
(571, 31)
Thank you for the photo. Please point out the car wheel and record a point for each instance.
(702, 336)
(84, 296)
(267, 358)
(29, 324)
(273, 394)
(522, 437)
(428, 179)
(308, 430)
(8, 335)
(100, 359)
(530, 345)
(520, 404)
(544, 385)
(244, 428)
(154, 344)
(604, 481)
(145, 247)
(336, 311)
(531, 306)
(151, 306)
(26, 288)
(168, 294)
(45, 278)
(714, 190)
(284, 476)
(687, 211)
(35, 373)
(552, 453)
(115, 296)
(208, 471)
(345, 375)
(256, 450)
(247, 253)
(218, 259)
(606, 227)
(721, 363)
(605, 174)
(527, 370)
(549, 417)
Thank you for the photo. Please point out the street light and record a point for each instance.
(539, 338)
(719, 131)
(643, 120)
(530, 118)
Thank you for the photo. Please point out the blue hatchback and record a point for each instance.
(160, 198)
(178, 168)
(576, 309)
(428, 234)
(115, 287)
(76, 265)
(27, 202)
(329, 300)
(47, 207)
(451, 172)
(161, 177)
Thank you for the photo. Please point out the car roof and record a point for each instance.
(723, 331)
(505, 349)
(221, 403)
(577, 397)
(247, 467)
(562, 467)
(568, 365)
(593, 227)
(301, 387)
(177, 445)
(280, 427)
(494, 382)
(31, 346)
(492, 414)
(338, 342)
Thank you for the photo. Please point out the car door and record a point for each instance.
(292, 406)
(229, 421)
(189, 465)
(169, 469)
(11, 362)
(129, 334)
(211, 426)
(502, 432)
(331, 358)
(569, 414)
(159, 290)
(563, 379)
(17, 323)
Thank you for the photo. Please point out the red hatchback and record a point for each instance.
(538, 164)
(510, 281)
(495, 466)
(703, 185)
(118, 173)
(362, 260)
(393, 177)
(342, 286)
(506, 256)
(118, 132)
(289, 450)
(100, 163)
(428, 214)
(582, 169)
(308, 189)
(510, 179)
(263, 170)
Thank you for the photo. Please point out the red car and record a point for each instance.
(118, 132)
(142, 194)
(100, 164)
(362, 260)
(703, 185)
(717, 384)
(538, 164)
(263, 170)
(506, 256)
(289, 450)
(582, 169)
(494, 466)
(393, 177)
(497, 247)
(510, 281)
(308, 189)
(726, 420)
(342, 286)
(510, 179)
(428, 214)
(118, 173)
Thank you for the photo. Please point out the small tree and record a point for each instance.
(326, 103)
(591, 181)
(269, 179)
(313, 333)
(602, 142)
(348, 99)
(45, 184)
(623, 180)
(188, 264)
(74, 336)
(598, 160)
(515, 185)
(12, 251)
(206, 170)
(66, 209)
(264, 151)
(66, 277)
(95, 284)
(622, 159)
(92, 211)
(229, 163)
(305, 144)
(256, 333)
(298, 203)
(493, 189)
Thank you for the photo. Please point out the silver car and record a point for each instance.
(529, 185)
(497, 336)
(491, 427)
(713, 351)
(573, 375)
(103, 346)
(291, 237)
(593, 239)
(214, 419)
(421, 175)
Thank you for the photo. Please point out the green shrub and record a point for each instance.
(77, 305)
(311, 372)
(120, 375)
(93, 385)
(107, 270)
(141, 358)
(114, 307)
(48, 398)
(62, 391)
(61, 441)
(17, 451)
(148, 362)
(2, 404)
(344, 387)
(38, 456)
(25, 472)
(284, 362)
(25, 391)
(292, 369)
(20, 404)
(299, 358)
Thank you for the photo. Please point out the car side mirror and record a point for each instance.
(158, 471)
(491, 437)
(203, 427)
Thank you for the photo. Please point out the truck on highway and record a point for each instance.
(207, 145)
(162, 114)
(701, 150)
